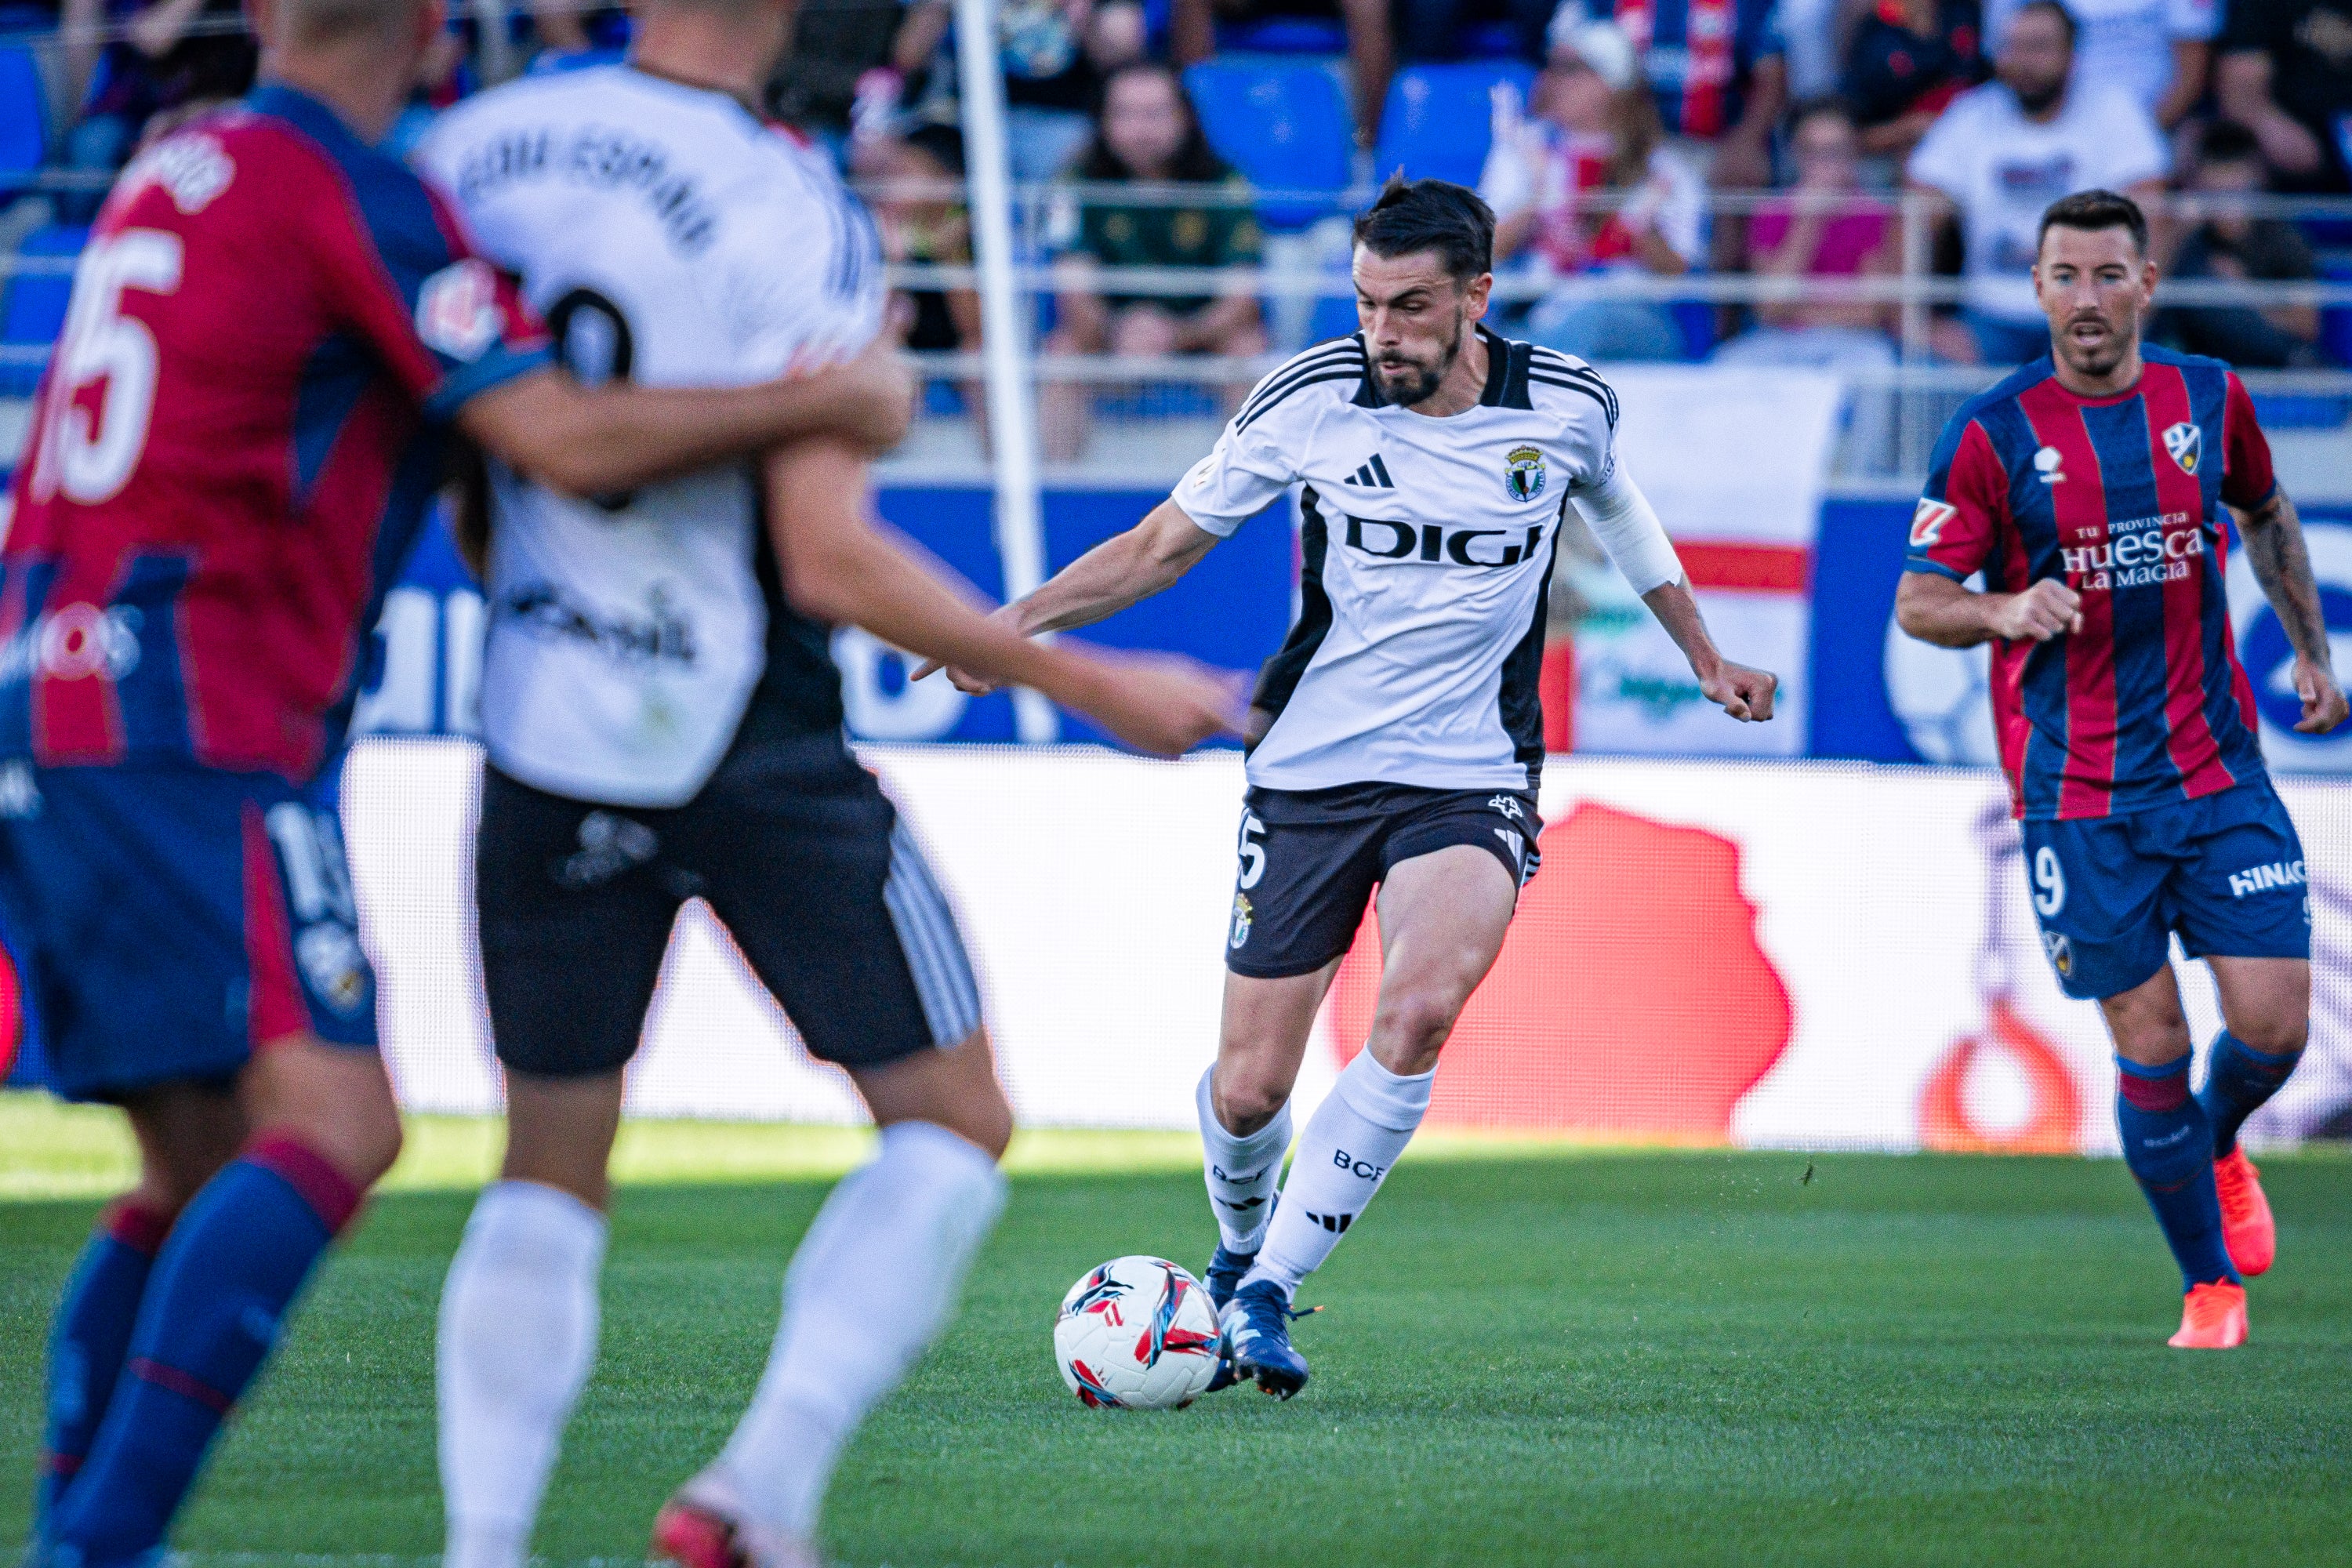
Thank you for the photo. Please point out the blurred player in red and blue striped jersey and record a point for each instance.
(272, 330)
(2093, 490)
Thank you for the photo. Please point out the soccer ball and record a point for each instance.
(1136, 1334)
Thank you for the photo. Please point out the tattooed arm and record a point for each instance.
(2274, 549)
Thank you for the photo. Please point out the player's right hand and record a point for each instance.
(1163, 704)
(2043, 611)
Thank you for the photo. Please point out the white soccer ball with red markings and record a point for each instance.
(1136, 1333)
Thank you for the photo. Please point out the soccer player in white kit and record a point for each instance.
(663, 721)
(1397, 737)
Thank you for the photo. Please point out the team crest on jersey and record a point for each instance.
(1523, 473)
(457, 309)
(334, 965)
(2061, 951)
(2186, 442)
(1243, 917)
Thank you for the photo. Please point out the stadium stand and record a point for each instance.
(1439, 122)
(24, 120)
(1284, 124)
(35, 305)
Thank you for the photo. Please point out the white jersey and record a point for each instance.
(671, 238)
(1426, 548)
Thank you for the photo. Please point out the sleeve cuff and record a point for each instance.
(467, 382)
(1223, 527)
(1917, 563)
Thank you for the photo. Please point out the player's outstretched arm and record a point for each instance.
(838, 566)
(1936, 609)
(1627, 527)
(1743, 692)
(2281, 563)
(1118, 571)
(589, 441)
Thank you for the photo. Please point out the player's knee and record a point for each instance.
(1247, 1099)
(2274, 1032)
(373, 1142)
(985, 1120)
(1415, 1022)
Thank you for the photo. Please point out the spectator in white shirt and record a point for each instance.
(1583, 183)
(2159, 52)
(2005, 150)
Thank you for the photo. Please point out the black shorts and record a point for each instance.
(798, 854)
(1310, 859)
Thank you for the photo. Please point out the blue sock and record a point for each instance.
(2168, 1144)
(232, 1266)
(2237, 1082)
(92, 1333)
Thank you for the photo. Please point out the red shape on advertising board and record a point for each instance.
(1632, 998)
(2053, 1124)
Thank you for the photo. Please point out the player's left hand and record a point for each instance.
(2324, 706)
(1746, 694)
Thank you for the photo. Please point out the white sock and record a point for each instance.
(517, 1338)
(1350, 1142)
(874, 1280)
(1242, 1172)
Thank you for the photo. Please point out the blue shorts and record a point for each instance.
(2225, 871)
(172, 920)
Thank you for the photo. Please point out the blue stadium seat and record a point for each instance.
(1439, 120)
(24, 123)
(1283, 35)
(1284, 124)
(34, 309)
(2335, 321)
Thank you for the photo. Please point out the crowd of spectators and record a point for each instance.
(1638, 114)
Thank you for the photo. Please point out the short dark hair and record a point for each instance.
(2057, 8)
(1431, 215)
(2095, 210)
(2227, 141)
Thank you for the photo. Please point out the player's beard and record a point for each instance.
(1426, 379)
(2097, 359)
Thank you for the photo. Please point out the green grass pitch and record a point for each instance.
(1527, 1357)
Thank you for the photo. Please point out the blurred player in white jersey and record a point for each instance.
(663, 721)
(1397, 737)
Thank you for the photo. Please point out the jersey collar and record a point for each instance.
(310, 115)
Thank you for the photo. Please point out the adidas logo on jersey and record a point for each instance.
(1373, 475)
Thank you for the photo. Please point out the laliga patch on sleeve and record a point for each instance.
(457, 309)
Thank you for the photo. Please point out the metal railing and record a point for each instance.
(1304, 266)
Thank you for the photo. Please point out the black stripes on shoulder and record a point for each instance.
(1343, 359)
(1552, 369)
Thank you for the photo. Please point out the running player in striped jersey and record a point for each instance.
(273, 329)
(2094, 490)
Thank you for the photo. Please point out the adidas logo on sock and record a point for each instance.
(1337, 1223)
(1373, 475)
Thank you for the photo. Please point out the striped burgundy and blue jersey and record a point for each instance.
(235, 442)
(2122, 498)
